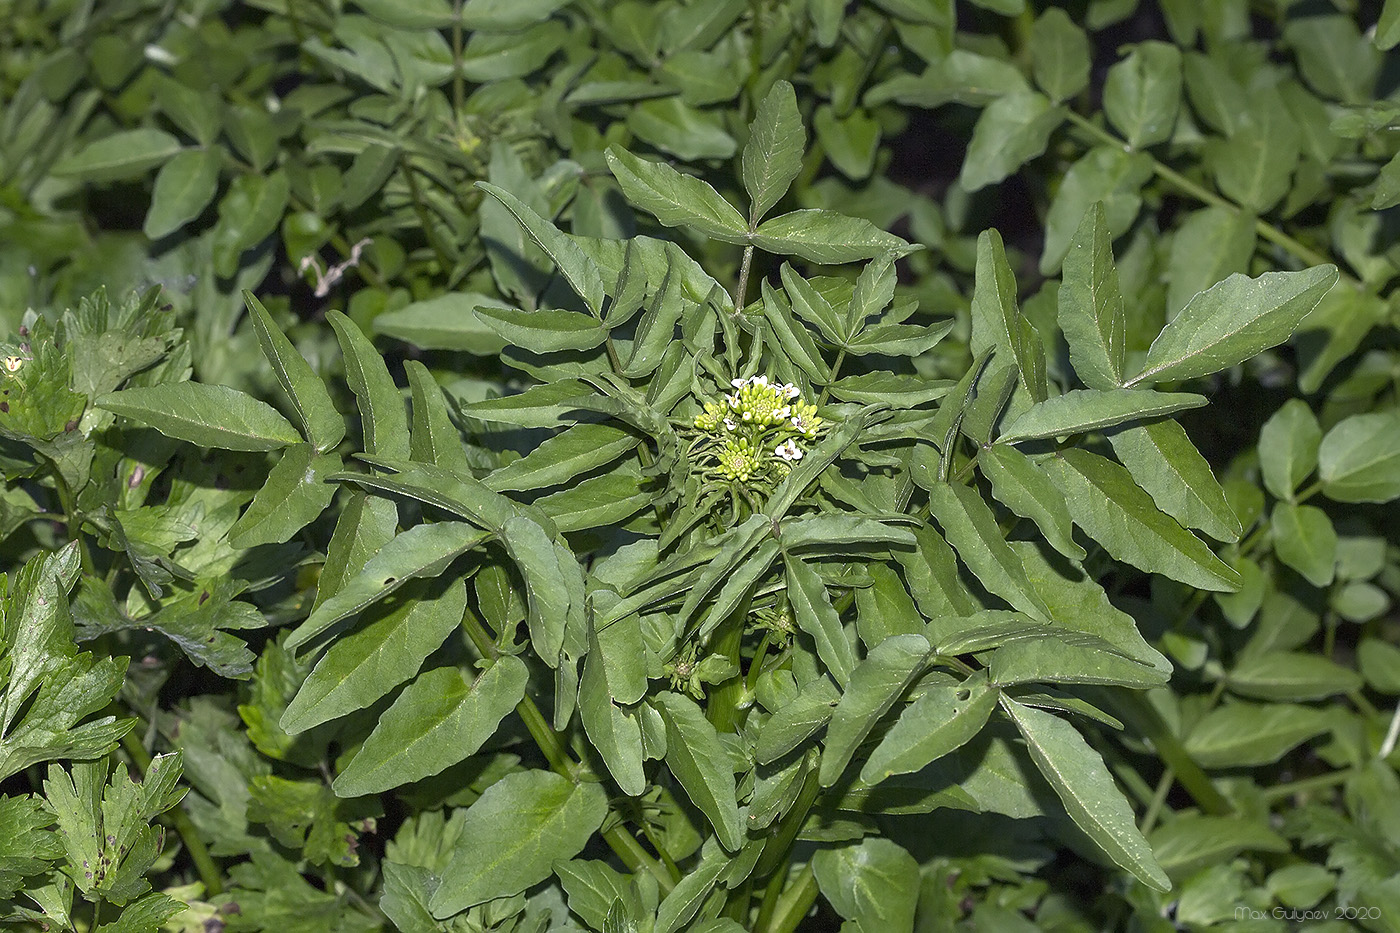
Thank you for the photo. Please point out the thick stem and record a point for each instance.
(794, 902)
(741, 290)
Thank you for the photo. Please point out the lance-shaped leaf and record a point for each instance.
(295, 494)
(1069, 658)
(433, 438)
(544, 330)
(383, 420)
(1114, 511)
(700, 763)
(773, 155)
(366, 664)
(876, 684)
(1233, 321)
(1091, 305)
(1084, 786)
(459, 493)
(792, 336)
(421, 551)
(827, 237)
(971, 528)
(320, 422)
(996, 319)
(438, 720)
(1021, 486)
(567, 455)
(795, 722)
(815, 615)
(616, 733)
(1164, 462)
(944, 718)
(690, 892)
(513, 834)
(581, 272)
(676, 199)
(1083, 410)
(207, 415)
(547, 590)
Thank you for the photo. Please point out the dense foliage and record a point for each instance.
(537, 465)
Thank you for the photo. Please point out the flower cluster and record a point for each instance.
(754, 433)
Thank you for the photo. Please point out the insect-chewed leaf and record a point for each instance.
(876, 684)
(943, 719)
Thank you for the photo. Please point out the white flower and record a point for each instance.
(748, 416)
(729, 424)
(790, 390)
(738, 383)
(788, 451)
(733, 401)
(759, 381)
(782, 412)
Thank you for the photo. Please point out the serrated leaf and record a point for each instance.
(321, 424)
(1023, 488)
(582, 274)
(1163, 461)
(676, 199)
(1117, 513)
(971, 528)
(207, 415)
(513, 834)
(1233, 321)
(876, 684)
(437, 721)
(1082, 410)
(773, 155)
(701, 766)
(1084, 786)
(944, 718)
(365, 665)
(421, 551)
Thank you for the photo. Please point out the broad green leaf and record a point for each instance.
(365, 525)
(1254, 166)
(676, 199)
(1232, 321)
(1117, 513)
(362, 667)
(876, 685)
(184, 187)
(540, 406)
(321, 424)
(1085, 787)
(971, 528)
(438, 720)
(1387, 34)
(1289, 444)
(1082, 410)
(1013, 130)
(1305, 540)
(885, 608)
(207, 415)
(678, 907)
(543, 330)
(895, 390)
(513, 834)
(294, 495)
(1210, 244)
(1023, 488)
(673, 126)
(1359, 460)
(793, 337)
(700, 764)
(582, 274)
(1142, 93)
(564, 457)
(1163, 461)
(811, 305)
(383, 419)
(815, 615)
(1106, 175)
(827, 237)
(1242, 735)
(832, 530)
(873, 883)
(616, 733)
(1059, 55)
(446, 322)
(797, 721)
(1091, 312)
(1192, 841)
(1291, 675)
(546, 589)
(773, 155)
(119, 156)
(433, 438)
(421, 551)
(851, 142)
(413, 14)
(600, 500)
(944, 718)
(249, 212)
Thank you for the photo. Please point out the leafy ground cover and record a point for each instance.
(707, 465)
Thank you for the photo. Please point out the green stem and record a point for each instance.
(1159, 799)
(1303, 785)
(204, 863)
(1170, 175)
(835, 374)
(794, 903)
(459, 87)
(551, 745)
(741, 290)
(73, 522)
(1141, 716)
